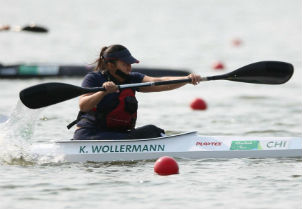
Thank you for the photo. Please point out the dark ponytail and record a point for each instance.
(101, 61)
(101, 65)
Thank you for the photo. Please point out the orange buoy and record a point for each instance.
(166, 166)
(198, 104)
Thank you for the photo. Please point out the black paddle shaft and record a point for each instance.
(46, 94)
(266, 72)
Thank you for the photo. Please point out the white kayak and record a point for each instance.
(187, 145)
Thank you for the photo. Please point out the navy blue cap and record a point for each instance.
(123, 55)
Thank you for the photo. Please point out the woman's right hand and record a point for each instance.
(110, 87)
(89, 101)
(195, 79)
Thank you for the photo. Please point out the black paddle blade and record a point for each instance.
(46, 94)
(265, 72)
(35, 28)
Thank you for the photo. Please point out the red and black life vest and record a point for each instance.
(123, 114)
(119, 114)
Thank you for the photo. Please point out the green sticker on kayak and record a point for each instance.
(245, 145)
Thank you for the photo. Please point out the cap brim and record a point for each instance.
(129, 60)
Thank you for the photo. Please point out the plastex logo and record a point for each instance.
(208, 144)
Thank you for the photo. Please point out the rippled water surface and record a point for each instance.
(174, 34)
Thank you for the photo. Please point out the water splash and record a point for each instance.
(3, 118)
(16, 134)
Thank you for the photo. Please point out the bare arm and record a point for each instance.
(89, 101)
(195, 80)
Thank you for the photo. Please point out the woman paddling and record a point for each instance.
(112, 114)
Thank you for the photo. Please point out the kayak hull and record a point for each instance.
(187, 145)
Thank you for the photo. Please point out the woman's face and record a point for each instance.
(119, 65)
(123, 66)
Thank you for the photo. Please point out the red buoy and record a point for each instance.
(236, 42)
(166, 166)
(218, 66)
(198, 104)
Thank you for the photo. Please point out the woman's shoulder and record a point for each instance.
(94, 74)
(137, 77)
(93, 79)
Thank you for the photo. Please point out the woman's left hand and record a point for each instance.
(195, 78)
